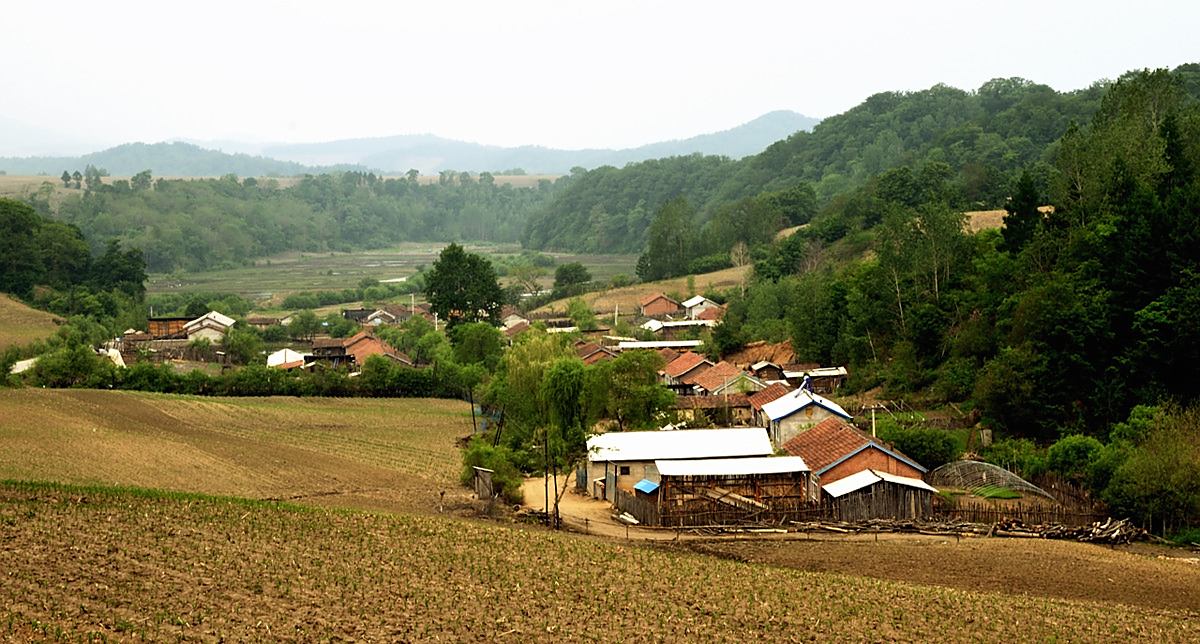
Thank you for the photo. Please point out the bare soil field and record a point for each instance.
(21, 325)
(393, 454)
(628, 297)
(1167, 580)
(94, 563)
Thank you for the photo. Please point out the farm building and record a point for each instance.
(618, 460)
(672, 329)
(767, 371)
(285, 359)
(797, 411)
(774, 391)
(658, 305)
(167, 328)
(359, 315)
(211, 326)
(724, 491)
(731, 409)
(678, 345)
(724, 378)
(836, 449)
(878, 495)
(591, 353)
(821, 380)
(697, 304)
(355, 350)
(689, 364)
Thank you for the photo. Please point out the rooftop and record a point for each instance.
(789, 404)
(867, 478)
(686, 362)
(773, 392)
(732, 466)
(833, 440)
(679, 444)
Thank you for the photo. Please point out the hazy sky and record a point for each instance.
(605, 73)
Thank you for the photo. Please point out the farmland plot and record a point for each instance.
(396, 454)
(85, 563)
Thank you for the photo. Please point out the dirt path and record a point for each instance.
(585, 514)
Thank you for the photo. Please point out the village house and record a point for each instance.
(262, 322)
(211, 326)
(797, 411)
(774, 391)
(724, 491)
(836, 449)
(724, 378)
(358, 315)
(821, 380)
(380, 317)
(767, 371)
(354, 351)
(658, 305)
(676, 374)
(871, 494)
(591, 352)
(618, 460)
(696, 305)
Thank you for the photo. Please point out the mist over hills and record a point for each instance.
(397, 154)
(430, 154)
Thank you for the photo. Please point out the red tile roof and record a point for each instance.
(668, 354)
(646, 300)
(712, 313)
(686, 361)
(775, 391)
(829, 441)
(513, 330)
(715, 377)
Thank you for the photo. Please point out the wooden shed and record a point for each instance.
(732, 491)
(870, 494)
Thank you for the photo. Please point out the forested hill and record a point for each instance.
(432, 154)
(985, 136)
(171, 159)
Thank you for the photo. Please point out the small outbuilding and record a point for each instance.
(732, 491)
(836, 449)
(657, 305)
(878, 495)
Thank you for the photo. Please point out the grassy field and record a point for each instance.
(21, 325)
(395, 454)
(628, 297)
(84, 563)
(271, 279)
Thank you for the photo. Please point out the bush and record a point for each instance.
(709, 263)
(1072, 456)
(1019, 455)
(506, 478)
(930, 447)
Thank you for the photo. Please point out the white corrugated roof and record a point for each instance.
(732, 466)
(660, 344)
(867, 478)
(760, 364)
(283, 356)
(694, 300)
(797, 400)
(679, 444)
(219, 318)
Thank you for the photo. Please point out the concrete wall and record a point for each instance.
(869, 459)
(784, 429)
(638, 470)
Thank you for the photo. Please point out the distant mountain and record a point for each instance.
(169, 159)
(430, 154)
(398, 154)
(22, 139)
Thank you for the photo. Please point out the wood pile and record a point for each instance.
(1109, 531)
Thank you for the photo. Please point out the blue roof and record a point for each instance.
(646, 486)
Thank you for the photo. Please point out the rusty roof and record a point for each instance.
(686, 361)
(833, 440)
(773, 392)
(715, 377)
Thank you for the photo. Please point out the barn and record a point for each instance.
(870, 494)
(732, 491)
(619, 460)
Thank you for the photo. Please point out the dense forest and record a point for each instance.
(1073, 327)
(985, 137)
(201, 224)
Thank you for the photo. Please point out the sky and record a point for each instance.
(562, 74)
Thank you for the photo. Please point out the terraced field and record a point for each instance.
(96, 563)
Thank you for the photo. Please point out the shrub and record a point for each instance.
(1072, 456)
(506, 478)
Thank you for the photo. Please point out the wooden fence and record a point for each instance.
(1030, 513)
(644, 510)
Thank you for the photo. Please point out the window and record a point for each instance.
(624, 470)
